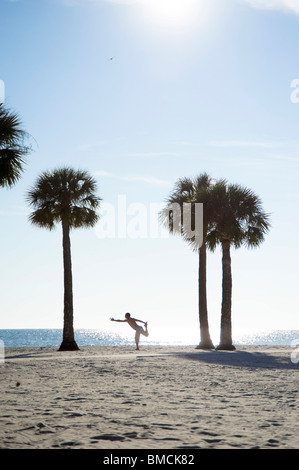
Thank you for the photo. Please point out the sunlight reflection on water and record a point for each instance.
(161, 336)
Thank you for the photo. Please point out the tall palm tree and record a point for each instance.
(238, 219)
(68, 197)
(192, 191)
(12, 147)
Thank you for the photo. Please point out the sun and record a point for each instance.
(177, 14)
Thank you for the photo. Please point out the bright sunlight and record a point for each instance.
(176, 14)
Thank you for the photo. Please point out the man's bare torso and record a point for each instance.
(132, 323)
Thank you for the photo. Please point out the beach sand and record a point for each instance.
(155, 398)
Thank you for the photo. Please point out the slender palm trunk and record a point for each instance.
(226, 324)
(68, 340)
(205, 339)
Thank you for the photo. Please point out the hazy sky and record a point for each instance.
(193, 86)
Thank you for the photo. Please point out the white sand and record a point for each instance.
(157, 398)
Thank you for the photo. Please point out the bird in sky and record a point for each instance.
(111, 58)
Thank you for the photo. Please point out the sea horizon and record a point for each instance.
(47, 337)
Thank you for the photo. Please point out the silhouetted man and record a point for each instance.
(139, 330)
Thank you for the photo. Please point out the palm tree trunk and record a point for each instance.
(68, 340)
(205, 341)
(226, 324)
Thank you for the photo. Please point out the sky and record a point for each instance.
(141, 93)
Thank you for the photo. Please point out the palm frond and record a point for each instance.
(238, 215)
(187, 192)
(231, 212)
(12, 147)
(43, 218)
(66, 195)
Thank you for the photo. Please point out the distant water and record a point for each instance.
(89, 337)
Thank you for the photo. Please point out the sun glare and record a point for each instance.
(177, 14)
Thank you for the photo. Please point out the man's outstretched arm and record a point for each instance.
(112, 319)
(141, 321)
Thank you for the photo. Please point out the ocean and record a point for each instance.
(94, 337)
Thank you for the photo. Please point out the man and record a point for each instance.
(139, 330)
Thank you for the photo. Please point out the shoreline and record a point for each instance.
(160, 397)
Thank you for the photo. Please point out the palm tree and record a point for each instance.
(12, 147)
(68, 197)
(192, 191)
(238, 219)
